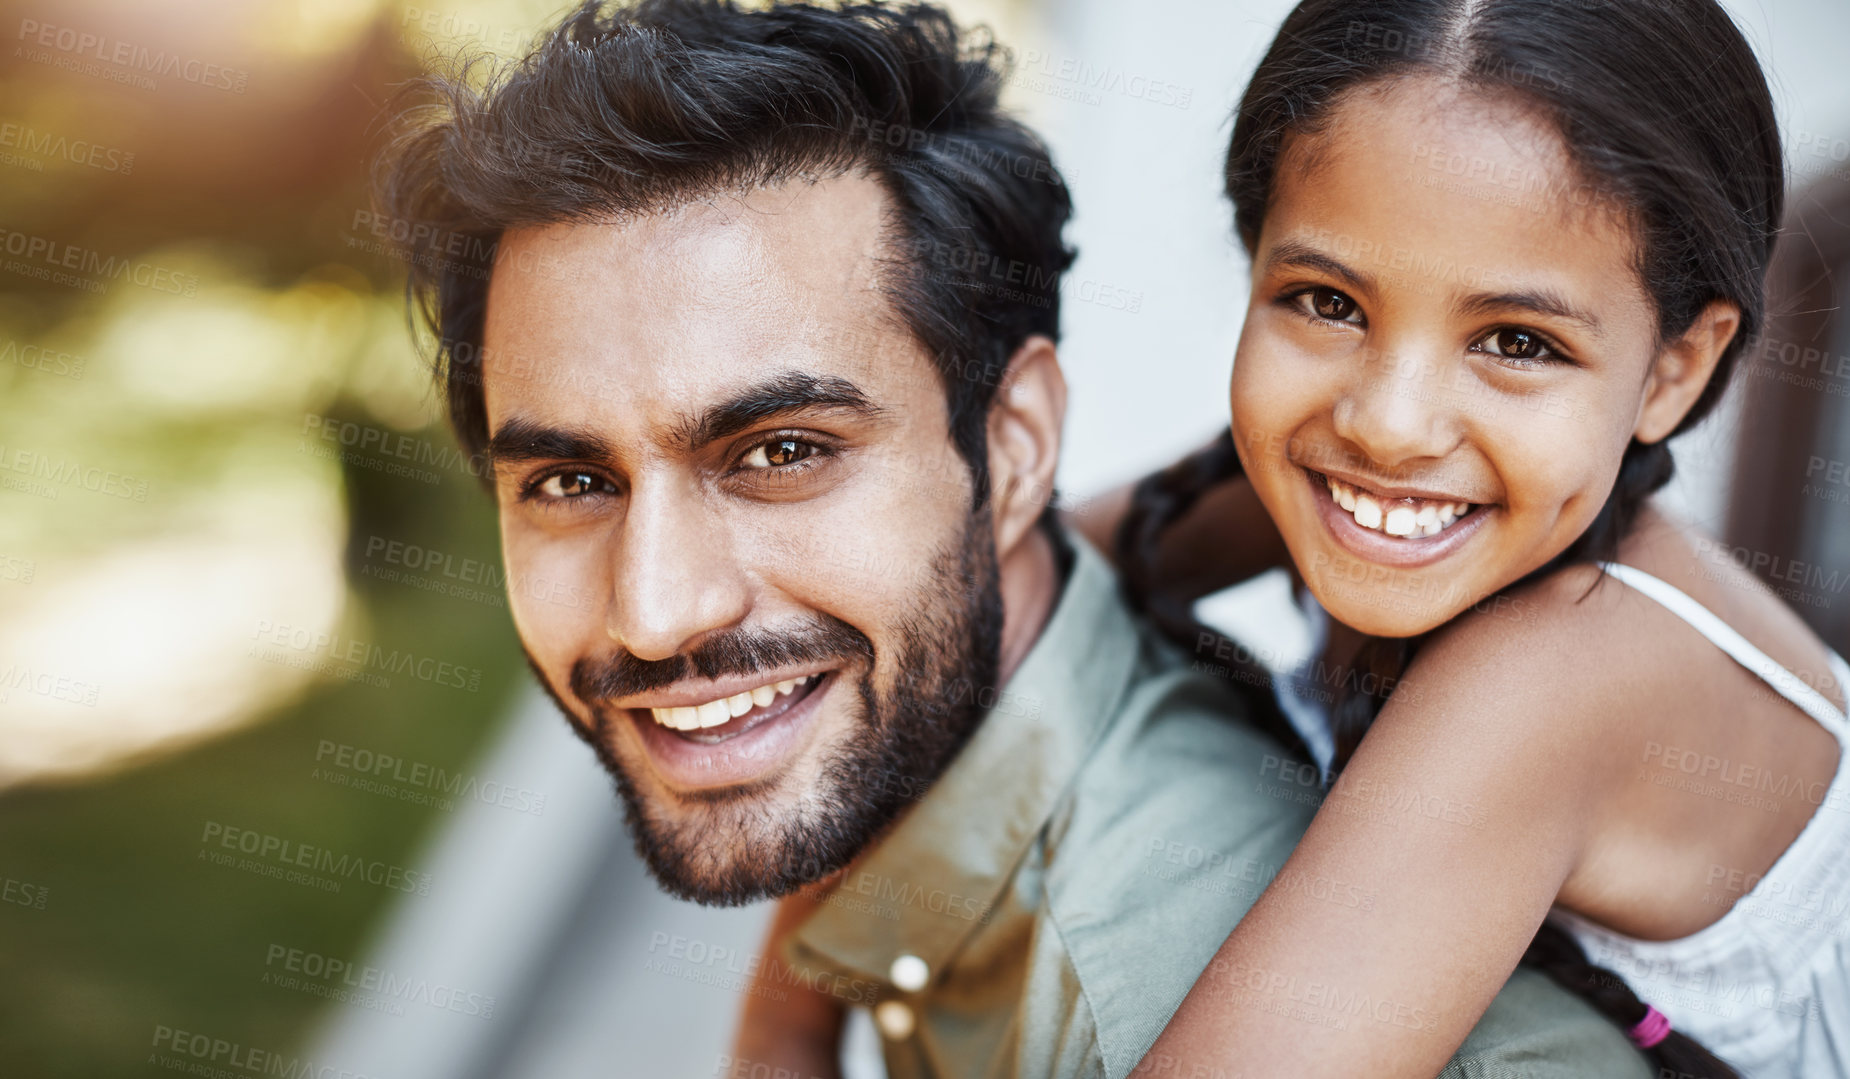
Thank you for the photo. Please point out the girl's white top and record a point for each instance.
(1765, 987)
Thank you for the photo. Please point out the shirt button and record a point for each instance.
(909, 973)
(894, 1019)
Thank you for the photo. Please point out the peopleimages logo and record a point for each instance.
(22, 137)
(126, 54)
(286, 855)
(203, 1054)
(365, 986)
(96, 266)
(65, 472)
(416, 781)
(326, 652)
(396, 445)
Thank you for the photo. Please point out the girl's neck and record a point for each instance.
(1341, 643)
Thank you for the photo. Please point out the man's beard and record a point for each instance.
(732, 851)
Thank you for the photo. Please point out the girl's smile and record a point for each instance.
(1395, 526)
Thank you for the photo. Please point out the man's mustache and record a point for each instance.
(735, 652)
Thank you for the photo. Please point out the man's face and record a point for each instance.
(711, 422)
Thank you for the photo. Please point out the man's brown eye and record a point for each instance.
(778, 453)
(574, 484)
(1331, 304)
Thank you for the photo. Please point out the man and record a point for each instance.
(754, 315)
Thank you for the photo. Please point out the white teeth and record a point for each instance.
(1407, 518)
(714, 713)
(1367, 511)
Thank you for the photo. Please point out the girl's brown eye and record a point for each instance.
(1515, 344)
(1331, 304)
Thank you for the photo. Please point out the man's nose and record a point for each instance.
(675, 578)
(1395, 407)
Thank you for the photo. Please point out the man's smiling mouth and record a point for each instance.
(726, 718)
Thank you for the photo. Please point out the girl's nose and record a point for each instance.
(1396, 409)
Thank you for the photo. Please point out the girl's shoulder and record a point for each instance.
(1519, 709)
(1575, 630)
(1610, 661)
(1573, 660)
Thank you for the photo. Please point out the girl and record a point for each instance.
(1502, 250)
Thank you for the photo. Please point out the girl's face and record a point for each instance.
(1447, 351)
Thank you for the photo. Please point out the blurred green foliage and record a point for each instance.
(245, 188)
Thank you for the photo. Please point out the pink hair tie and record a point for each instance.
(1653, 1028)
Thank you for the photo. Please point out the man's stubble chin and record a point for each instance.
(768, 839)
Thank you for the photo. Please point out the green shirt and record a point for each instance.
(1045, 905)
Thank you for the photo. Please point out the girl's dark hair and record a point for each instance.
(1665, 111)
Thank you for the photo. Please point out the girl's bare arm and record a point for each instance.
(1423, 877)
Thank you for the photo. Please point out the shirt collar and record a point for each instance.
(944, 866)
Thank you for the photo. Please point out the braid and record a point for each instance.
(1555, 953)
(1158, 501)
(1386, 659)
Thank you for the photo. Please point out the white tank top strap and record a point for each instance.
(1741, 650)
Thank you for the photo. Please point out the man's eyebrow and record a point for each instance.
(1300, 254)
(789, 392)
(1539, 301)
(521, 439)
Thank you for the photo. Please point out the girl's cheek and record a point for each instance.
(1265, 396)
(1552, 485)
(1556, 455)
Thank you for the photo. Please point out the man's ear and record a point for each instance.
(1682, 369)
(1024, 440)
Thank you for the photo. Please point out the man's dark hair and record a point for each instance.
(640, 107)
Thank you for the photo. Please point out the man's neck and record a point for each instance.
(1030, 589)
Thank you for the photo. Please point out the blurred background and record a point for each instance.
(275, 790)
